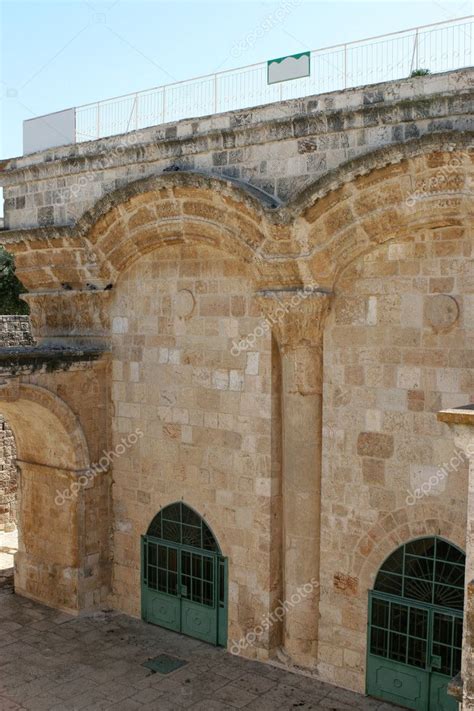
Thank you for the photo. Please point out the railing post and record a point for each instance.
(216, 97)
(97, 128)
(136, 111)
(345, 66)
(414, 58)
(164, 105)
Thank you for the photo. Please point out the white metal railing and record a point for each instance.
(438, 47)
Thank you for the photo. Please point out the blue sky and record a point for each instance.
(60, 54)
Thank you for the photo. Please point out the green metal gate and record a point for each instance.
(184, 576)
(415, 625)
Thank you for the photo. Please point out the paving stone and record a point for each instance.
(234, 696)
(254, 683)
(49, 672)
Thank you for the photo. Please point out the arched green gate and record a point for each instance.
(184, 576)
(415, 625)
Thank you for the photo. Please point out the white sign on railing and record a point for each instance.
(294, 66)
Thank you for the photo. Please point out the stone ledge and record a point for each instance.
(48, 357)
(462, 415)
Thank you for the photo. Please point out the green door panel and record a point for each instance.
(397, 683)
(439, 697)
(199, 622)
(163, 610)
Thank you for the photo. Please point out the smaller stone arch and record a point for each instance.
(41, 421)
(174, 523)
(394, 530)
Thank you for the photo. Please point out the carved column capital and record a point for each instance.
(297, 319)
(296, 316)
(59, 316)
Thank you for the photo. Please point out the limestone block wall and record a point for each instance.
(15, 331)
(279, 148)
(8, 478)
(398, 348)
(207, 420)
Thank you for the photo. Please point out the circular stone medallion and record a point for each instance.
(442, 311)
(184, 303)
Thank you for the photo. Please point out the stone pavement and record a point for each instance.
(52, 661)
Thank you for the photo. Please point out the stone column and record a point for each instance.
(297, 320)
(461, 421)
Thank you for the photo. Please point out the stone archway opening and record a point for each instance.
(51, 454)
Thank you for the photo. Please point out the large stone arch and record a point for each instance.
(135, 219)
(176, 208)
(52, 453)
(389, 194)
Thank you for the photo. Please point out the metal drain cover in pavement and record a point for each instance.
(164, 664)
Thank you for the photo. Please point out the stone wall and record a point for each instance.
(8, 478)
(15, 331)
(398, 348)
(207, 421)
(279, 148)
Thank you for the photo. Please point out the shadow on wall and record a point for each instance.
(8, 478)
(10, 287)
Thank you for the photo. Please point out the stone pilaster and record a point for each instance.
(461, 421)
(297, 319)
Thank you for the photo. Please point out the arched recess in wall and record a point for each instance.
(390, 194)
